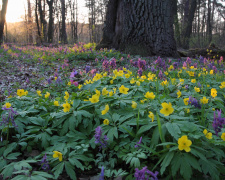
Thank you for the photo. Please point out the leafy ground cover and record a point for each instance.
(77, 112)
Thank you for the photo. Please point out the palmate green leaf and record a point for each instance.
(8, 170)
(76, 163)
(9, 149)
(43, 174)
(146, 127)
(185, 169)
(173, 129)
(37, 177)
(72, 122)
(209, 167)
(21, 177)
(176, 163)
(76, 103)
(166, 161)
(135, 162)
(192, 161)
(58, 169)
(65, 128)
(113, 132)
(70, 171)
(13, 155)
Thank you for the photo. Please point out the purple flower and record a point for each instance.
(218, 122)
(99, 139)
(186, 87)
(140, 72)
(73, 74)
(102, 174)
(141, 64)
(188, 61)
(199, 85)
(87, 69)
(139, 142)
(113, 63)
(45, 163)
(160, 75)
(153, 69)
(144, 174)
(10, 118)
(49, 80)
(105, 65)
(194, 102)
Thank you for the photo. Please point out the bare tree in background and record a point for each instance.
(51, 21)
(2, 18)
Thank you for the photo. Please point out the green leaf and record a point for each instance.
(58, 169)
(166, 161)
(76, 103)
(176, 163)
(7, 172)
(9, 149)
(20, 177)
(44, 174)
(185, 169)
(13, 155)
(192, 161)
(113, 132)
(145, 128)
(173, 129)
(76, 163)
(70, 171)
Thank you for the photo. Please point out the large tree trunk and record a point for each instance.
(42, 19)
(51, 21)
(2, 20)
(140, 27)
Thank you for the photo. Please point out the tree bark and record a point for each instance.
(190, 8)
(51, 21)
(2, 20)
(63, 29)
(30, 37)
(140, 27)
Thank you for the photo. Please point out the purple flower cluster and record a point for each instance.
(44, 163)
(87, 69)
(102, 174)
(105, 65)
(140, 72)
(99, 139)
(144, 174)
(139, 142)
(113, 63)
(194, 102)
(141, 64)
(218, 122)
(10, 118)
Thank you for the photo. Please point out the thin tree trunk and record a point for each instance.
(2, 20)
(30, 38)
(51, 21)
(63, 30)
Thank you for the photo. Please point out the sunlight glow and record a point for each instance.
(15, 11)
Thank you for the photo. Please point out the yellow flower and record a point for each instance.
(80, 86)
(208, 135)
(26, 93)
(167, 109)
(105, 74)
(132, 81)
(105, 110)
(204, 100)
(138, 83)
(182, 81)
(66, 97)
(222, 85)
(186, 101)
(55, 78)
(114, 89)
(7, 105)
(104, 92)
(166, 73)
(39, 93)
(204, 69)
(127, 75)
(134, 105)
(143, 101)
(110, 93)
(149, 95)
(211, 72)
(57, 154)
(10, 96)
(164, 83)
(66, 107)
(69, 83)
(187, 110)
(223, 136)
(94, 98)
(184, 144)
(173, 81)
(213, 92)
(106, 122)
(123, 89)
(111, 82)
(208, 85)
(56, 103)
(193, 80)
(191, 73)
(97, 92)
(197, 89)
(151, 115)
(178, 94)
(20, 92)
(47, 94)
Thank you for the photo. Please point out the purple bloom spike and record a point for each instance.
(99, 139)
(102, 174)
(144, 174)
(139, 142)
(218, 122)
